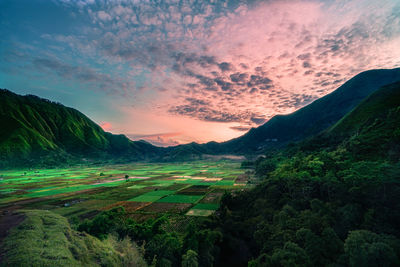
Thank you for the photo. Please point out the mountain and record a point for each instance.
(33, 127)
(311, 119)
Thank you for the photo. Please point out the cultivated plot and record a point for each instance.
(193, 188)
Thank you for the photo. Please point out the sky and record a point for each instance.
(178, 71)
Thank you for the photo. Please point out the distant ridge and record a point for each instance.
(311, 119)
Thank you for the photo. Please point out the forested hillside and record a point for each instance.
(331, 200)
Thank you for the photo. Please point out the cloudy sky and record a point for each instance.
(177, 71)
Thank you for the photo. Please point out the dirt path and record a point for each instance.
(8, 219)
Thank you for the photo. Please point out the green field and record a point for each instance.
(203, 209)
(192, 188)
(152, 196)
(180, 199)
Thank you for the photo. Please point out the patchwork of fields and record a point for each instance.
(143, 189)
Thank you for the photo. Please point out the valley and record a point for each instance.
(144, 189)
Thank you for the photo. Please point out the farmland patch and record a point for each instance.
(141, 188)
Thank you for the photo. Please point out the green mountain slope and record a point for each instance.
(373, 127)
(34, 127)
(378, 104)
(315, 117)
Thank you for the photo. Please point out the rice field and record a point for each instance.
(192, 188)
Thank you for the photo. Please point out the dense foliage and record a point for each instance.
(195, 244)
(317, 209)
(331, 200)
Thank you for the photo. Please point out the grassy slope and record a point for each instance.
(46, 239)
(377, 104)
(33, 126)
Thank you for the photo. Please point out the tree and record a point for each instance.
(290, 255)
(126, 177)
(167, 247)
(190, 259)
(333, 246)
(265, 166)
(365, 248)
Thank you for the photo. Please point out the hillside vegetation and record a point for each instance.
(332, 200)
(46, 239)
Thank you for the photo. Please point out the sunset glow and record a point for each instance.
(183, 71)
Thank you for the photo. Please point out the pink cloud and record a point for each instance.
(103, 16)
(305, 48)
